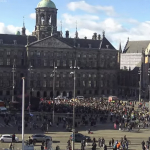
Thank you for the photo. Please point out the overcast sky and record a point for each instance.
(119, 19)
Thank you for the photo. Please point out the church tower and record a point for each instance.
(46, 19)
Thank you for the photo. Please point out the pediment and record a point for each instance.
(50, 42)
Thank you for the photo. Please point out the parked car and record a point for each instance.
(79, 137)
(8, 138)
(40, 137)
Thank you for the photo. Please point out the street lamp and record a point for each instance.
(13, 84)
(74, 95)
(140, 73)
(54, 76)
(30, 71)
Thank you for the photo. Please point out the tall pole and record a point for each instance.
(29, 87)
(74, 95)
(54, 71)
(30, 69)
(140, 72)
(23, 99)
(73, 130)
(13, 85)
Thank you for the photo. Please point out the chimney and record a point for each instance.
(95, 36)
(99, 37)
(67, 34)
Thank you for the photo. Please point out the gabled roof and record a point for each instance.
(84, 43)
(105, 42)
(136, 46)
(21, 40)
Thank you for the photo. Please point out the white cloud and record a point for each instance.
(10, 29)
(115, 30)
(32, 16)
(82, 5)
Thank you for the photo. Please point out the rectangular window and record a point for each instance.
(95, 84)
(8, 61)
(64, 75)
(95, 64)
(44, 53)
(51, 84)
(1, 61)
(84, 56)
(38, 84)
(44, 75)
(45, 62)
(44, 83)
(70, 63)
(31, 53)
(39, 62)
(83, 75)
(78, 55)
(89, 84)
(58, 75)
(51, 63)
(8, 53)
(38, 53)
(89, 75)
(58, 54)
(94, 75)
(64, 63)
(84, 83)
(63, 84)
(58, 62)
(57, 83)
(15, 53)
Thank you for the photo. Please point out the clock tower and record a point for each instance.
(46, 19)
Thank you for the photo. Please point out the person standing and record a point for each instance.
(94, 145)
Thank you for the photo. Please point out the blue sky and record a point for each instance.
(119, 18)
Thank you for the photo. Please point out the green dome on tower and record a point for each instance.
(46, 3)
(18, 33)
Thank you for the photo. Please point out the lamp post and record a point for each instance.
(23, 98)
(13, 84)
(30, 71)
(140, 73)
(54, 76)
(74, 95)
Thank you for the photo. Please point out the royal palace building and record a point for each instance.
(46, 53)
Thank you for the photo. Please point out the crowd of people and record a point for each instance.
(90, 112)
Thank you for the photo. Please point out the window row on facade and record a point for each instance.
(9, 62)
(11, 53)
(62, 54)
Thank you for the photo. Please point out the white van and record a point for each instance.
(3, 110)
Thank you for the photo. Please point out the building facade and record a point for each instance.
(97, 60)
(133, 76)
